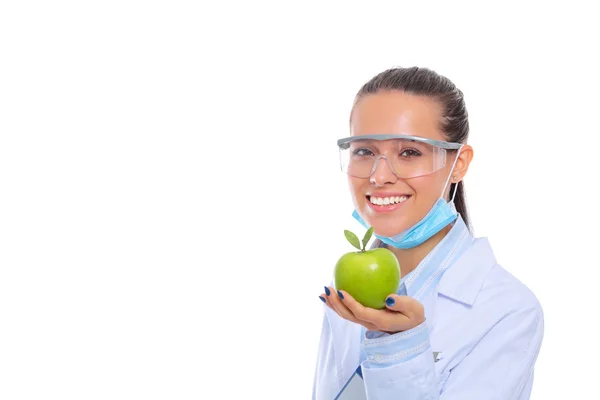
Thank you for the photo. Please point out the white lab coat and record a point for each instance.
(486, 325)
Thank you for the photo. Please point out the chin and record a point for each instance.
(389, 228)
(388, 223)
(388, 232)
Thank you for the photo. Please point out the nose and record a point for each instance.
(383, 172)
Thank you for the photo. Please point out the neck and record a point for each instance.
(409, 259)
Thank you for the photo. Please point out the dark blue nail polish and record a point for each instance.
(390, 301)
(327, 292)
(324, 301)
(341, 295)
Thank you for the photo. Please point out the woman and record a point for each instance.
(460, 326)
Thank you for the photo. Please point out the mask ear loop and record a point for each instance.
(450, 174)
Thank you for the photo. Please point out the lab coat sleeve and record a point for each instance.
(499, 367)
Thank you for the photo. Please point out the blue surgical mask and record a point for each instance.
(437, 218)
(441, 214)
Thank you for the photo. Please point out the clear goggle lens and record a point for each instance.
(407, 158)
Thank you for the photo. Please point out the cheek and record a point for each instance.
(356, 186)
(428, 190)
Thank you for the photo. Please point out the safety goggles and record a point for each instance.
(407, 156)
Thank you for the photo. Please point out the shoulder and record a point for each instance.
(510, 293)
(476, 280)
(489, 302)
(506, 303)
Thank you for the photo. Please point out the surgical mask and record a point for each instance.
(441, 214)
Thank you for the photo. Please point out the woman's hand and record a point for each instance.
(401, 313)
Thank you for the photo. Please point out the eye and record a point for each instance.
(362, 152)
(410, 153)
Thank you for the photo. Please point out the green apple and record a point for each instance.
(369, 276)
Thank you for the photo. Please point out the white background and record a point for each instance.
(171, 203)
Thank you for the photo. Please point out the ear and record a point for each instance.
(462, 164)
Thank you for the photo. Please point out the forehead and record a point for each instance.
(394, 112)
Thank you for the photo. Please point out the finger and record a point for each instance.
(339, 307)
(380, 318)
(325, 299)
(405, 305)
(357, 309)
(322, 297)
(384, 319)
(329, 298)
(346, 304)
(335, 303)
(350, 304)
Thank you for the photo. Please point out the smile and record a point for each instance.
(384, 201)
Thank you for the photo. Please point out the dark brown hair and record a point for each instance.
(425, 82)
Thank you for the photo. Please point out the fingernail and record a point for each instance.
(390, 301)
(327, 292)
(324, 301)
(341, 295)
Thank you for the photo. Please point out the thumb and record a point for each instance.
(405, 305)
(393, 302)
(392, 299)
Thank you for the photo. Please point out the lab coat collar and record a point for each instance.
(426, 275)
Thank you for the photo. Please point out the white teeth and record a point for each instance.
(384, 201)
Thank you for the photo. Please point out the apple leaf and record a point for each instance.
(367, 237)
(352, 238)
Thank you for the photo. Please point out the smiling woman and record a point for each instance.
(460, 326)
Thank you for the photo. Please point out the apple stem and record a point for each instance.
(366, 238)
